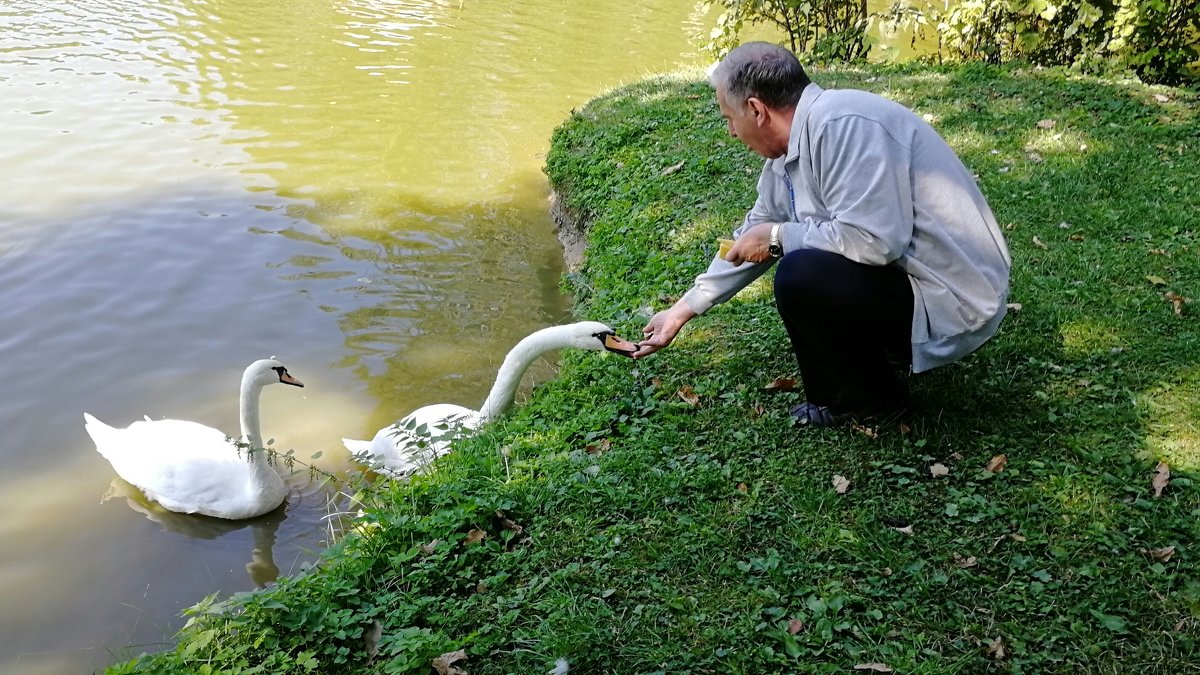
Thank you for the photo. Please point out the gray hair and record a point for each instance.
(761, 70)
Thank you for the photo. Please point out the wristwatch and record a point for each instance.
(774, 246)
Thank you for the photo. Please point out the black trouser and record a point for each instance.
(845, 319)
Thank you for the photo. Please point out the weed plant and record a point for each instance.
(664, 516)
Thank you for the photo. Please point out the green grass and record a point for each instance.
(630, 531)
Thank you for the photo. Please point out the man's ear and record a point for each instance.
(759, 110)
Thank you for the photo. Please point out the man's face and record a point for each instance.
(745, 124)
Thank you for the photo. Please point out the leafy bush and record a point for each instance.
(824, 30)
(1157, 39)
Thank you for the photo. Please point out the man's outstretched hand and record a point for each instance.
(663, 327)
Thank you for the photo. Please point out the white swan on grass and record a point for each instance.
(191, 468)
(426, 433)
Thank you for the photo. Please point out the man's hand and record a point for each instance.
(751, 247)
(663, 328)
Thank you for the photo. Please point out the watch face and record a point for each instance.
(775, 250)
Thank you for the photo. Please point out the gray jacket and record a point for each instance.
(866, 178)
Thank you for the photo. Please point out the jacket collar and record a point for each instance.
(809, 96)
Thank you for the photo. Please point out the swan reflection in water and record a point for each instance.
(261, 567)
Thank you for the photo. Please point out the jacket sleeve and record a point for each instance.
(722, 280)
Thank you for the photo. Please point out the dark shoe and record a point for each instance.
(808, 414)
(811, 415)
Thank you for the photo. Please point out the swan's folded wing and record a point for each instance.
(196, 484)
(184, 437)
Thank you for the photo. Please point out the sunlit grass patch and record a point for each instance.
(1065, 142)
(1082, 338)
(700, 232)
(1081, 496)
(967, 141)
(1171, 414)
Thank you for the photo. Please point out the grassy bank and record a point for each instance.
(664, 516)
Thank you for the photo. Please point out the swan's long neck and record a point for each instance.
(248, 409)
(515, 364)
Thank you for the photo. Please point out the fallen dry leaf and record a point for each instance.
(429, 548)
(782, 384)
(841, 484)
(1177, 301)
(960, 561)
(1046, 124)
(1038, 243)
(795, 626)
(1162, 98)
(1162, 476)
(688, 395)
(1156, 280)
(672, 169)
(1018, 537)
(869, 432)
(887, 571)
(997, 648)
(1015, 306)
(444, 664)
(475, 536)
(904, 428)
(759, 409)
(877, 667)
(907, 530)
(997, 463)
(508, 523)
(599, 447)
(743, 488)
(938, 470)
(1161, 554)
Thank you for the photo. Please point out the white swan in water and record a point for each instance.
(426, 433)
(190, 468)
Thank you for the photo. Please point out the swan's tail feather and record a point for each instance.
(101, 433)
(95, 426)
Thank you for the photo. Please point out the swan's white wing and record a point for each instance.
(208, 485)
(198, 436)
(185, 466)
(416, 440)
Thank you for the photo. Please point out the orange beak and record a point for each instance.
(619, 345)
